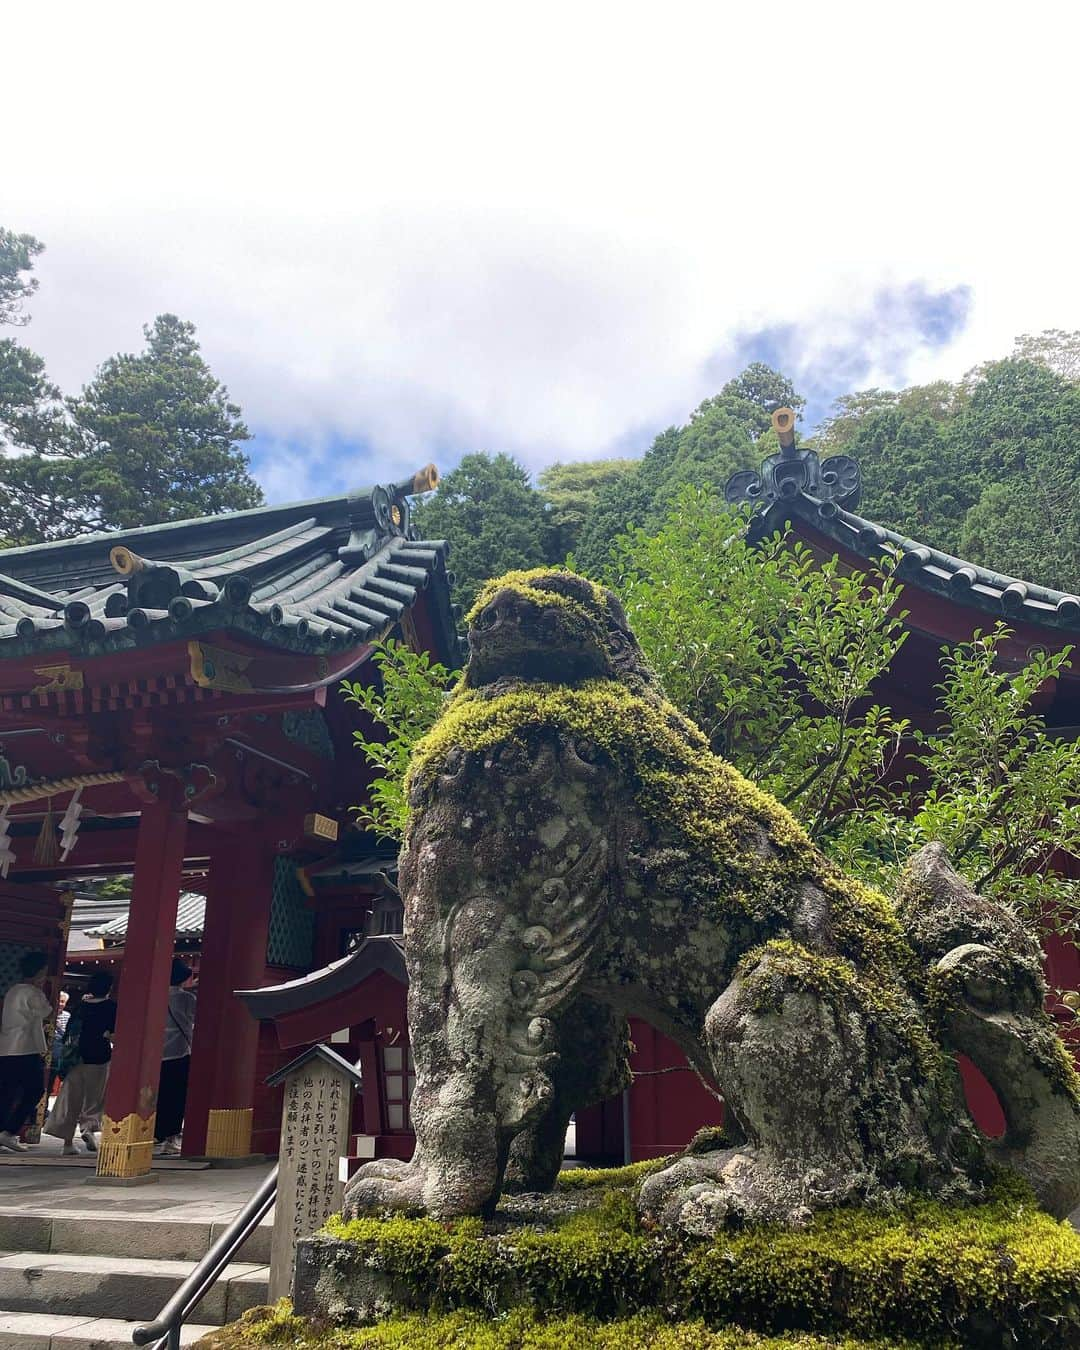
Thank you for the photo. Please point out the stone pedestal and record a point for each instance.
(314, 1132)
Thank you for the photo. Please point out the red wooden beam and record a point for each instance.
(101, 852)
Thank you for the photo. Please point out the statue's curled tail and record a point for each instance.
(986, 987)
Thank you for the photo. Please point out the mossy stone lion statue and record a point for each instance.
(576, 853)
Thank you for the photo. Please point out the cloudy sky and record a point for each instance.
(409, 231)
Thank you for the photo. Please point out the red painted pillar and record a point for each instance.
(221, 1090)
(374, 1108)
(127, 1133)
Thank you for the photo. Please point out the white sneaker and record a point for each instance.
(89, 1140)
(12, 1142)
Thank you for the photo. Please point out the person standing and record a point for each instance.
(22, 1050)
(63, 1016)
(175, 1062)
(82, 1095)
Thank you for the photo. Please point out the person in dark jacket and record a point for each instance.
(81, 1100)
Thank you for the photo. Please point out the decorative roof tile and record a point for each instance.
(795, 484)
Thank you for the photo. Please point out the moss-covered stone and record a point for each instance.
(679, 784)
(589, 1178)
(991, 1275)
(589, 602)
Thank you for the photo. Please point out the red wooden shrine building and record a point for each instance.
(169, 707)
(183, 681)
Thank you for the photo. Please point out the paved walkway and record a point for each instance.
(214, 1194)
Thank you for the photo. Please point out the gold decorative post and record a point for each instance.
(126, 1147)
(228, 1132)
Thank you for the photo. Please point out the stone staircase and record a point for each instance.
(84, 1281)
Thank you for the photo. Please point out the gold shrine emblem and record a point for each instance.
(219, 668)
(57, 679)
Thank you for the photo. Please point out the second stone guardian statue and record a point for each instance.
(576, 854)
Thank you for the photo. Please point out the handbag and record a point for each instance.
(69, 1048)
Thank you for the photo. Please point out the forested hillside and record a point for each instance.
(987, 468)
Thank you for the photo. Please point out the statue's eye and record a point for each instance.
(454, 763)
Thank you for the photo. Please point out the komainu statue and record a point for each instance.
(576, 853)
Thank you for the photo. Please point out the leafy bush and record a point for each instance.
(404, 704)
(778, 657)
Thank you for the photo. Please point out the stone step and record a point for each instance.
(164, 1238)
(52, 1331)
(124, 1287)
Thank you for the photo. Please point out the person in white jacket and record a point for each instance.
(22, 1050)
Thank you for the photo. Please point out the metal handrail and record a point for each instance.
(165, 1330)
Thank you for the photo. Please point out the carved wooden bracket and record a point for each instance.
(180, 787)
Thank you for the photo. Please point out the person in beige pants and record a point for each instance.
(82, 1095)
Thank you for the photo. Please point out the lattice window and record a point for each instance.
(399, 1081)
(11, 953)
(291, 937)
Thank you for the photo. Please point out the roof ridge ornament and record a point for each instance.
(792, 471)
(384, 511)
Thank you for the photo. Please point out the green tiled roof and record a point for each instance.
(190, 918)
(309, 577)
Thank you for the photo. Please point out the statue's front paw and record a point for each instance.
(386, 1183)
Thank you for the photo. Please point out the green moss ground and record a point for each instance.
(518, 1330)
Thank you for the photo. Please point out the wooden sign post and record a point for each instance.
(314, 1134)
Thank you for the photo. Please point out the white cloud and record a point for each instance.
(419, 230)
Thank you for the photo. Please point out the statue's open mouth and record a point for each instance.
(516, 653)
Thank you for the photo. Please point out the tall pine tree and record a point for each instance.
(153, 437)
